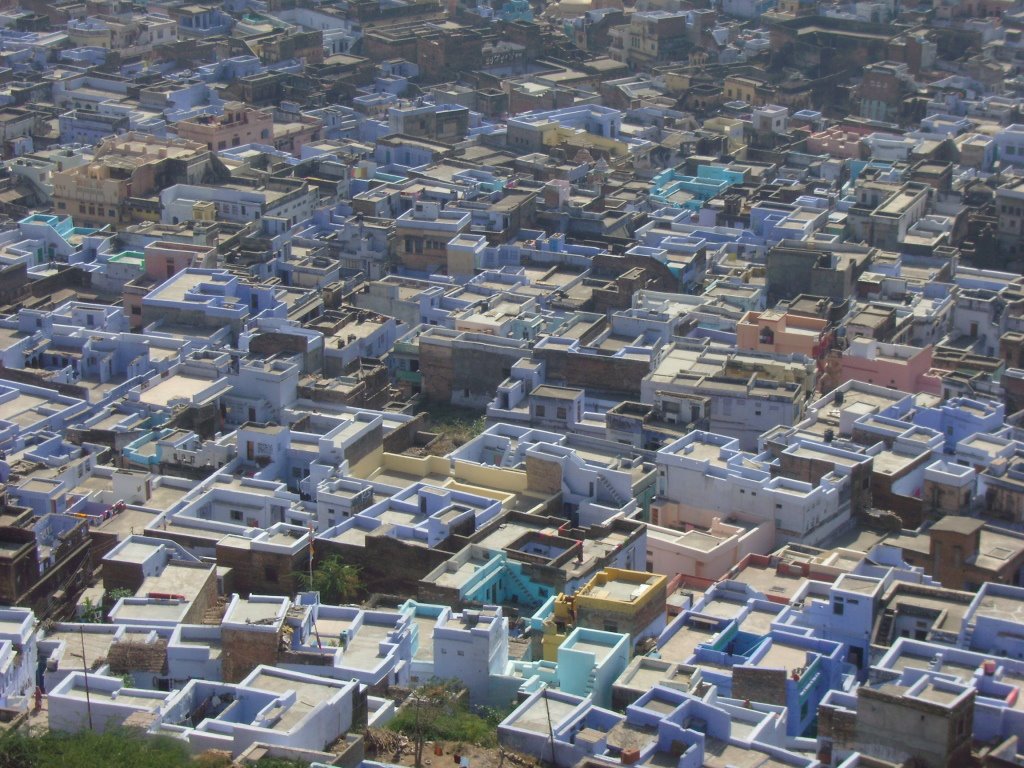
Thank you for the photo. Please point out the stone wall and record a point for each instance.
(242, 651)
(263, 573)
(386, 564)
(767, 686)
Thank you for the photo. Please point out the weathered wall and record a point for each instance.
(767, 686)
(243, 651)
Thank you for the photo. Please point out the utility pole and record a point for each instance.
(311, 554)
(551, 730)
(316, 607)
(85, 670)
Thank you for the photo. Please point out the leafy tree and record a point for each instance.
(92, 613)
(336, 581)
(425, 714)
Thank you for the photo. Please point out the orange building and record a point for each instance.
(784, 333)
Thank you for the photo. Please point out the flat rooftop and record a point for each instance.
(250, 612)
(544, 713)
(308, 695)
(1000, 607)
(682, 645)
(600, 650)
(177, 579)
(97, 647)
(781, 656)
(174, 388)
(363, 650)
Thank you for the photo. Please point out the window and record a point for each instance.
(236, 515)
(461, 653)
(560, 412)
(611, 626)
(270, 574)
(540, 411)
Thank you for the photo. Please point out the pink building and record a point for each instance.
(897, 366)
(784, 333)
(163, 260)
(238, 125)
(293, 134)
(697, 543)
(834, 141)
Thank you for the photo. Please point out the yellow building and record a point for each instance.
(126, 168)
(615, 600)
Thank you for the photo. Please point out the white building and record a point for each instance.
(18, 654)
(183, 202)
(704, 472)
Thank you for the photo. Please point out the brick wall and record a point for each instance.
(386, 564)
(543, 476)
(365, 445)
(268, 344)
(263, 573)
(465, 374)
(767, 686)
(243, 651)
(121, 575)
(436, 368)
(609, 374)
(204, 599)
(404, 437)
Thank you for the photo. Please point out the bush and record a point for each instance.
(88, 749)
(113, 749)
(458, 724)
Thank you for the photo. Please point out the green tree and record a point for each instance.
(424, 713)
(91, 613)
(335, 580)
(95, 613)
